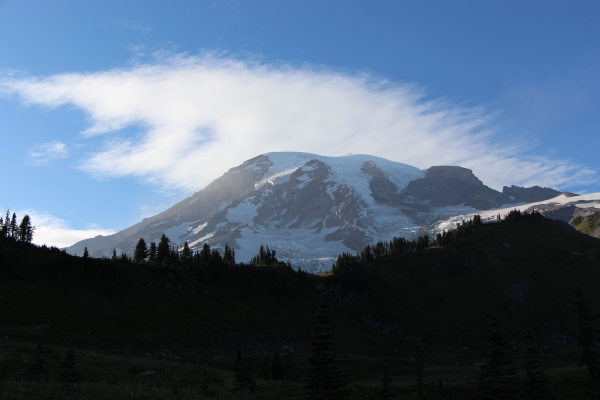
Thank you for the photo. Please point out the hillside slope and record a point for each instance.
(524, 273)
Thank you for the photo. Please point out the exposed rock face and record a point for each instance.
(529, 195)
(383, 191)
(451, 186)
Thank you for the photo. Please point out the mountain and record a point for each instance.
(310, 208)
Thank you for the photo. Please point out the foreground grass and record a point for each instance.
(118, 377)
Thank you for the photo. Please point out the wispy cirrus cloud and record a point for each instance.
(135, 26)
(44, 153)
(199, 116)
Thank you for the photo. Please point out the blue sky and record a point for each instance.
(111, 111)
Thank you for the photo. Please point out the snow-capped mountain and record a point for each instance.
(310, 208)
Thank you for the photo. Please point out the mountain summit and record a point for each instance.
(310, 208)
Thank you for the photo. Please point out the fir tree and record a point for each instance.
(6, 225)
(163, 250)
(68, 372)
(26, 230)
(205, 254)
(496, 379)
(243, 379)
(277, 371)
(36, 367)
(186, 253)
(86, 253)
(324, 381)
(535, 384)
(215, 258)
(152, 252)
(440, 390)
(587, 340)
(419, 375)
(114, 255)
(141, 251)
(386, 393)
(13, 227)
(228, 255)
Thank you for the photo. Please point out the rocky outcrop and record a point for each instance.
(529, 195)
(452, 186)
(382, 189)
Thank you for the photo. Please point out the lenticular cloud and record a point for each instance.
(199, 116)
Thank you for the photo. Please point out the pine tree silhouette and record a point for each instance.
(26, 230)
(36, 368)
(419, 375)
(386, 393)
(496, 379)
(587, 339)
(163, 249)
(141, 251)
(152, 252)
(440, 390)
(277, 371)
(68, 373)
(243, 380)
(535, 384)
(324, 380)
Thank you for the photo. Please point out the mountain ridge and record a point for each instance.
(310, 208)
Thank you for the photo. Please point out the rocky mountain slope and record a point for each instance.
(310, 208)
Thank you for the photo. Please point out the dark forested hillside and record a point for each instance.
(432, 296)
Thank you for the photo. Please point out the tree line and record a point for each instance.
(10, 230)
(347, 266)
(166, 255)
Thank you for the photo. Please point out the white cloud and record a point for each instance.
(54, 231)
(199, 116)
(43, 153)
(135, 26)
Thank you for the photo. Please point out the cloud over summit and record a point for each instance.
(198, 116)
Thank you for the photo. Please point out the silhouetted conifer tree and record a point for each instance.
(13, 227)
(243, 379)
(215, 258)
(386, 392)
(419, 375)
(324, 380)
(535, 381)
(277, 371)
(152, 252)
(228, 255)
(205, 254)
(36, 367)
(367, 255)
(587, 340)
(163, 251)
(186, 253)
(440, 390)
(26, 230)
(68, 373)
(86, 253)
(497, 378)
(141, 251)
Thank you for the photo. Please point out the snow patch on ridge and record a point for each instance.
(243, 213)
(490, 215)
